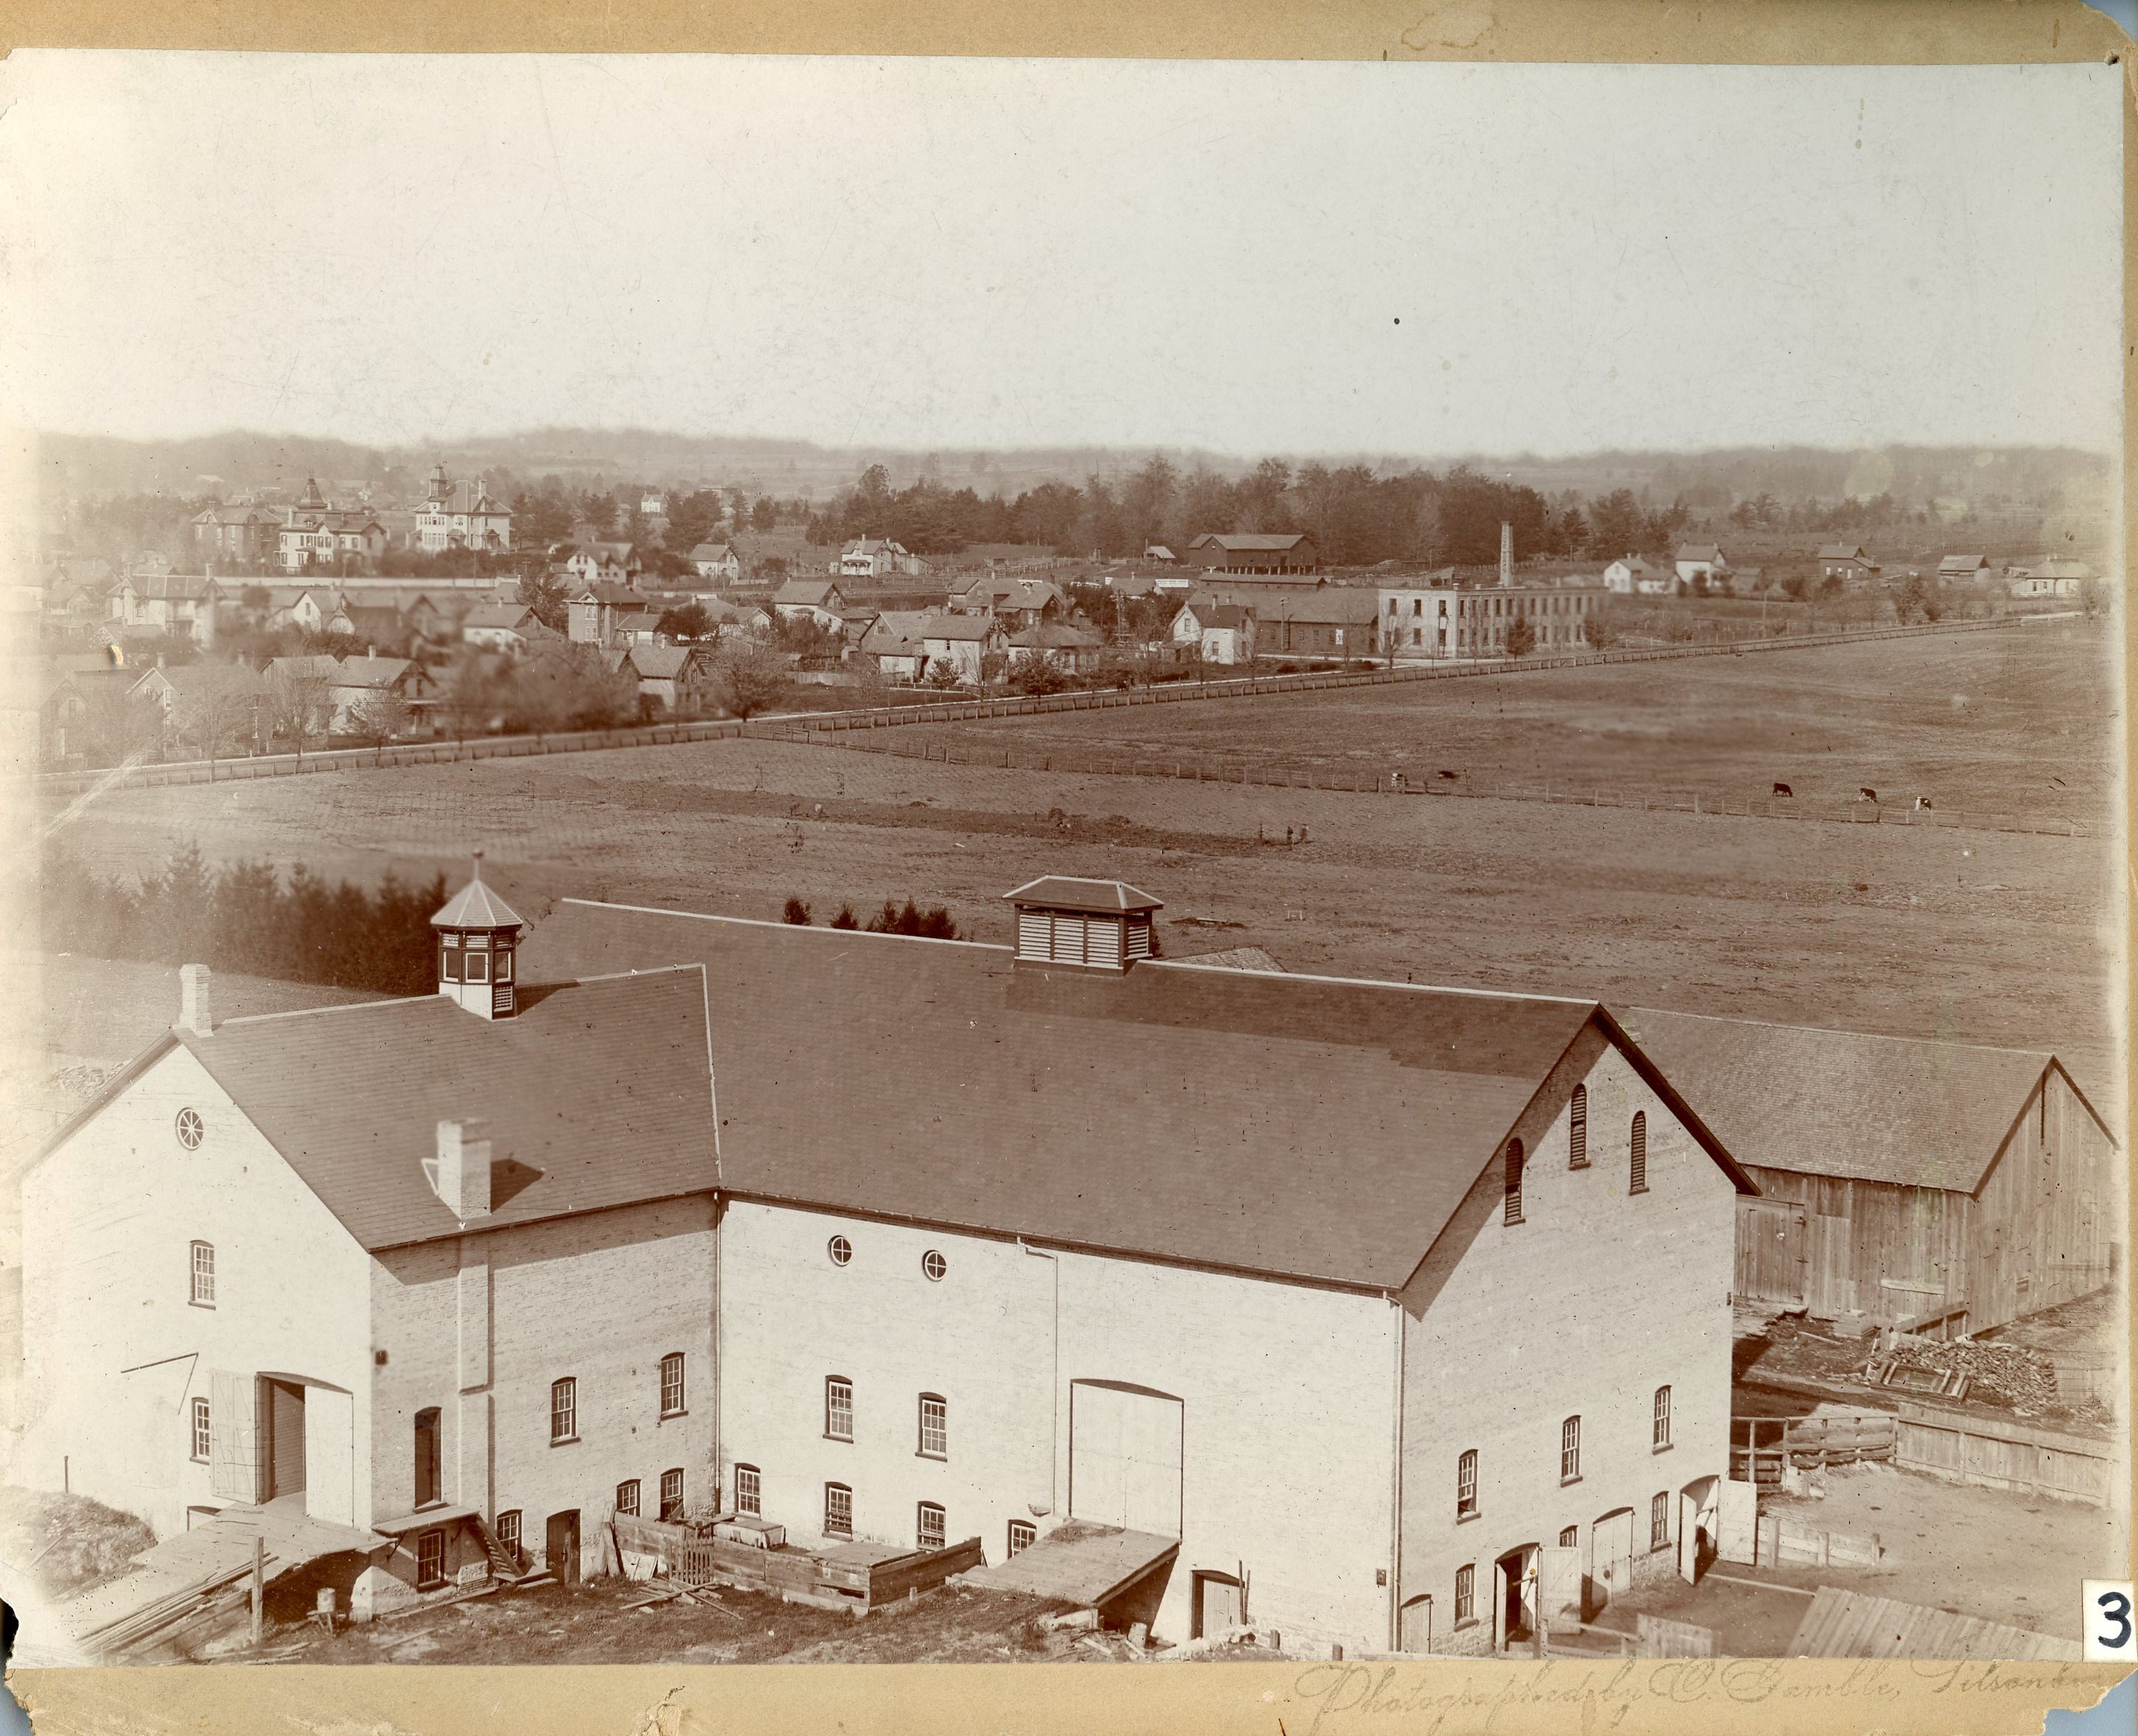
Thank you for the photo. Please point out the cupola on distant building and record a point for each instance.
(478, 933)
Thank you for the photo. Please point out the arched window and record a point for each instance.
(1577, 1130)
(838, 1510)
(671, 1494)
(1569, 1449)
(749, 1490)
(1514, 1211)
(1659, 1521)
(929, 1526)
(1638, 1171)
(1466, 1485)
(1660, 1430)
(627, 1498)
(1466, 1594)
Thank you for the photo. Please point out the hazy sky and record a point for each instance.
(1299, 257)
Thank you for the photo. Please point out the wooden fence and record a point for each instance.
(810, 724)
(1996, 1454)
(1760, 1446)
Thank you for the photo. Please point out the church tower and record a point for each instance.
(478, 932)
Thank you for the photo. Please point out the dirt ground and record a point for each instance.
(1883, 929)
(1986, 1552)
(2015, 721)
(590, 1623)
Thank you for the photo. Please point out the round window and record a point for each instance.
(840, 1249)
(191, 1129)
(934, 1265)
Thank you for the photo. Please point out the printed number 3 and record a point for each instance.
(2116, 1607)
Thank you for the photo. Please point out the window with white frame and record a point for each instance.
(838, 1510)
(507, 1530)
(935, 1425)
(1569, 1449)
(838, 1408)
(928, 1530)
(1659, 1429)
(203, 1435)
(749, 1490)
(564, 1411)
(1466, 1485)
(671, 1494)
(627, 1498)
(203, 1275)
(1466, 1594)
(1023, 1535)
(671, 1384)
(1659, 1520)
(430, 1561)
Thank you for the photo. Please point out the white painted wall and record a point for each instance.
(108, 1221)
(1597, 1297)
(1287, 1394)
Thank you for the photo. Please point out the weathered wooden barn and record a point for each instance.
(1935, 1184)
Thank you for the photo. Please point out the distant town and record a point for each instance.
(178, 626)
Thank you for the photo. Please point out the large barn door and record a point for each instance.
(1771, 1240)
(235, 1455)
(1124, 1445)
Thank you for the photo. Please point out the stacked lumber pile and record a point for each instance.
(175, 1620)
(2008, 1376)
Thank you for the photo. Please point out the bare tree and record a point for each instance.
(300, 707)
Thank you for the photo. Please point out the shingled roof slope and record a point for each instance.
(598, 1095)
(1895, 1109)
(1178, 1112)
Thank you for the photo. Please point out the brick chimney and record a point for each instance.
(463, 1176)
(196, 1008)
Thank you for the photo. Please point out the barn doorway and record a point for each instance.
(1220, 1602)
(1125, 1456)
(1514, 1598)
(1416, 1627)
(1610, 1557)
(1699, 1523)
(285, 1411)
(561, 1546)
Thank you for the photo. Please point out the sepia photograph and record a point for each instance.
(867, 860)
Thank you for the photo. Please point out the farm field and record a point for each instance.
(2016, 721)
(1881, 928)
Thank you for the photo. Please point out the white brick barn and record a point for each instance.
(436, 1273)
(1400, 1309)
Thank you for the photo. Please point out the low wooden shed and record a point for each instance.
(1941, 1186)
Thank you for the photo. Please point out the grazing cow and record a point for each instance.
(1867, 794)
(1783, 789)
(1922, 803)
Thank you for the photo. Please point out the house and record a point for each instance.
(717, 561)
(1629, 575)
(452, 1301)
(597, 563)
(1074, 650)
(960, 644)
(461, 515)
(510, 626)
(211, 707)
(1849, 564)
(1159, 552)
(635, 627)
(1245, 552)
(592, 611)
(1330, 622)
(316, 533)
(1700, 563)
(811, 599)
(1432, 622)
(870, 557)
(369, 691)
(1017, 602)
(1219, 632)
(2052, 579)
(1972, 570)
(245, 537)
(674, 680)
(1952, 1184)
(75, 686)
(1358, 1456)
(378, 626)
(168, 602)
(735, 617)
(894, 642)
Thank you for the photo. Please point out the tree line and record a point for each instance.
(248, 919)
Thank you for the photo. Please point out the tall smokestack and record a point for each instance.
(1507, 553)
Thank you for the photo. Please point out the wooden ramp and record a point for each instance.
(1088, 1565)
(1854, 1624)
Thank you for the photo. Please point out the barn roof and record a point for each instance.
(1902, 1110)
(1179, 1113)
(597, 1095)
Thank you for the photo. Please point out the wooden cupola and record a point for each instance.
(1100, 925)
(478, 933)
